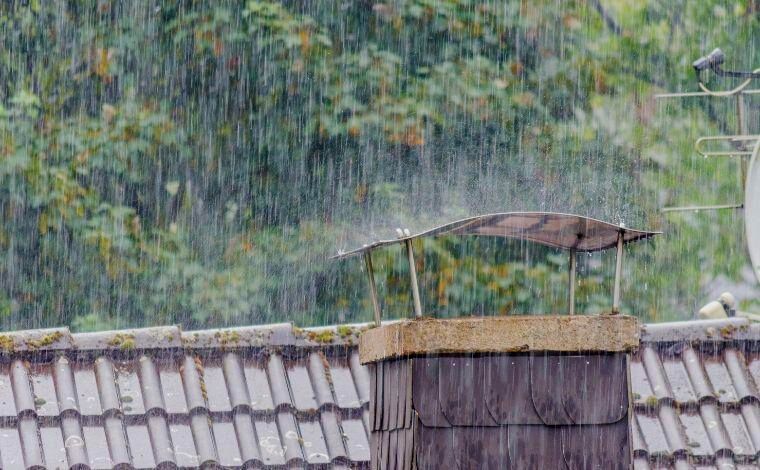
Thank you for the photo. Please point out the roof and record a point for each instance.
(695, 392)
(557, 230)
(140, 398)
(160, 397)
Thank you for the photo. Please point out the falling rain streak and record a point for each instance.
(198, 162)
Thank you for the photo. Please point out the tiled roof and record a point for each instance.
(158, 397)
(276, 395)
(695, 391)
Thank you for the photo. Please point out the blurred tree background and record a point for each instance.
(196, 162)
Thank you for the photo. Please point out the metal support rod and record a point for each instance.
(689, 94)
(741, 116)
(372, 287)
(618, 273)
(741, 124)
(702, 208)
(742, 141)
(571, 284)
(413, 276)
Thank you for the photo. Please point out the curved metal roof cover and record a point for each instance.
(557, 230)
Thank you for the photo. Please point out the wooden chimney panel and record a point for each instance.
(502, 410)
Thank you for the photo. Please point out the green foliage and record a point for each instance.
(198, 161)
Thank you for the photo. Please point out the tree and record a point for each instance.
(197, 161)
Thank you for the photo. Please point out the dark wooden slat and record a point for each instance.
(409, 414)
(392, 449)
(507, 389)
(403, 365)
(595, 388)
(425, 392)
(391, 407)
(461, 390)
(400, 448)
(386, 451)
(388, 393)
(547, 388)
(535, 446)
(375, 449)
(372, 369)
(482, 447)
(597, 446)
(409, 460)
(434, 449)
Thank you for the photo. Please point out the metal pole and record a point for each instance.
(701, 93)
(413, 276)
(741, 122)
(741, 118)
(571, 284)
(702, 208)
(372, 287)
(618, 273)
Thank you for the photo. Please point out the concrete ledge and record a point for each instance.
(559, 333)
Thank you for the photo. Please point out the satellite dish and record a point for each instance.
(752, 209)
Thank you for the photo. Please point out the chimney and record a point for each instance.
(515, 392)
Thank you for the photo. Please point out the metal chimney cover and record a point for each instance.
(554, 229)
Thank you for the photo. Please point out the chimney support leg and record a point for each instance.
(372, 287)
(571, 284)
(413, 278)
(618, 274)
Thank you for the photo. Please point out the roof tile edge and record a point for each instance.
(173, 337)
(728, 329)
(47, 339)
(346, 335)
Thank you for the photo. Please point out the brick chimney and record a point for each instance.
(518, 392)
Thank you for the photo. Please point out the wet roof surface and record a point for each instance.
(564, 231)
(274, 395)
(162, 398)
(695, 393)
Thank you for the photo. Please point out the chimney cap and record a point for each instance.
(554, 229)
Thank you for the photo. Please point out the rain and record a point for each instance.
(199, 162)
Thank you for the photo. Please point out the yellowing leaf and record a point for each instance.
(102, 63)
(172, 187)
(42, 223)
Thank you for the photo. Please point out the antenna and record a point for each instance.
(745, 146)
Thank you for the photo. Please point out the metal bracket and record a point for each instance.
(742, 141)
(702, 208)
(693, 94)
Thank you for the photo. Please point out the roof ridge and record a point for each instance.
(174, 337)
(724, 329)
(287, 334)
